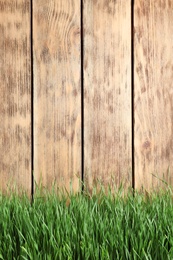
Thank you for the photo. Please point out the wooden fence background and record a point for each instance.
(86, 92)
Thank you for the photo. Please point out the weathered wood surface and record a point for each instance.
(153, 92)
(57, 92)
(107, 92)
(15, 95)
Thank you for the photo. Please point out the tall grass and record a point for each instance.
(79, 226)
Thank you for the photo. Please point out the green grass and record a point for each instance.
(87, 227)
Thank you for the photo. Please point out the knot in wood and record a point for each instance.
(146, 144)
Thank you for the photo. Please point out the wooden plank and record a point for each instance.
(15, 95)
(107, 92)
(153, 92)
(57, 93)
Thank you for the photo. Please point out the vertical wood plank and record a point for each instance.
(57, 93)
(107, 92)
(153, 92)
(15, 95)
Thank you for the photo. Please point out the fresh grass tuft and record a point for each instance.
(85, 226)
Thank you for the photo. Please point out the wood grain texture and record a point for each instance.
(107, 92)
(153, 92)
(15, 95)
(57, 93)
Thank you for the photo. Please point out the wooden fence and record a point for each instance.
(86, 92)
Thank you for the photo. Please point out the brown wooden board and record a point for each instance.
(107, 92)
(153, 79)
(57, 93)
(15, 95)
